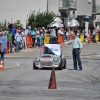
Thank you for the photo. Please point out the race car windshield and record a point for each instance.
(48, 51)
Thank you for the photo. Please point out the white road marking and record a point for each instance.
(98, 55)
(87, 56)
(17, 65)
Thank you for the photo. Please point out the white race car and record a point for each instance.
(50, 57)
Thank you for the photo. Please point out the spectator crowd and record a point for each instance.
(18, 39)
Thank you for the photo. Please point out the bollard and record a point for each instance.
(1, 65)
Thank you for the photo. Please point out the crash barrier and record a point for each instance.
(60, 39)
(8, 47)
(46, 39)
(90, 38)
(82, 38)
(97, 38)
(52, 82)
(29, 41)
(1, 65)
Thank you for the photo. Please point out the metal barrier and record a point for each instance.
(82, 38)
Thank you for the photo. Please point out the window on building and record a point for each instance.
(89, 1)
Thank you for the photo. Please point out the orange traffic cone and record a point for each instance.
(52, 83)
(1, 65)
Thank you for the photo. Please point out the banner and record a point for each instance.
(55, 48)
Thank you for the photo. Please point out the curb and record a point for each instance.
(19, 57)
(84, 44)
(85, 54)
(17, 65)
(10, 57)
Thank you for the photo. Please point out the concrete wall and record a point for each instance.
(97, 2)
(53, 5)
(18, 9)
(83, 8)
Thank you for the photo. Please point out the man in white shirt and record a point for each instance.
(67, 35)
(94, 35)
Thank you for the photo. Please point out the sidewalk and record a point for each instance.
(34, 52)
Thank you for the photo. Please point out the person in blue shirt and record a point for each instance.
(18, 40)
(33, 36)
(13, 31)
(77, 46)
(27, 30)
(3, 45)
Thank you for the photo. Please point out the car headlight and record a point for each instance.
(55, 59)
(37, 59)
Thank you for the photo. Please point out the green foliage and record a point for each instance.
(40, 19)
(3, 25)
(17, 24)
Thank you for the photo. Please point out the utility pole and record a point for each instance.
(47, 5)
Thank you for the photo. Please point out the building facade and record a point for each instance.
(12, 10)
(87, 12)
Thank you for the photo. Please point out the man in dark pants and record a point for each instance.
(3, 45)
(33, 37)
(77, 46)
(13, 31)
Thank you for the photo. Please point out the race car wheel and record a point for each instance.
(60, 66)
(64, 64)
(34, 67)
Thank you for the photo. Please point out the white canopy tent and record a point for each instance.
(73, 23)
(57, 19)
(57, 22)
(57, 25)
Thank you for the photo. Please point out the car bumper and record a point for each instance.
(39, 66)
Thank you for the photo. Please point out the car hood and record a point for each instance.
(48, 55)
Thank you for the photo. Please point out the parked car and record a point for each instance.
(50, 56)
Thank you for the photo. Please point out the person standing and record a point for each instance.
(67, 35)
(94, 35)
(33, 37)
(77, 47)
(9, 37)
(19, 29)
(3, 45)
(41, 41)
(18, 40)
(37, 37)
(24, 39)
(13, 31)
(60, 35)
(54, 38)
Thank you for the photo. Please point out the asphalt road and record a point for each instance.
(21, 82)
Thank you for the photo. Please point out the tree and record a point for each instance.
(3, 25)
(40, 19)
(18, 23)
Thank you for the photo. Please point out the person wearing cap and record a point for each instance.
(3, 45)
(77, 47)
